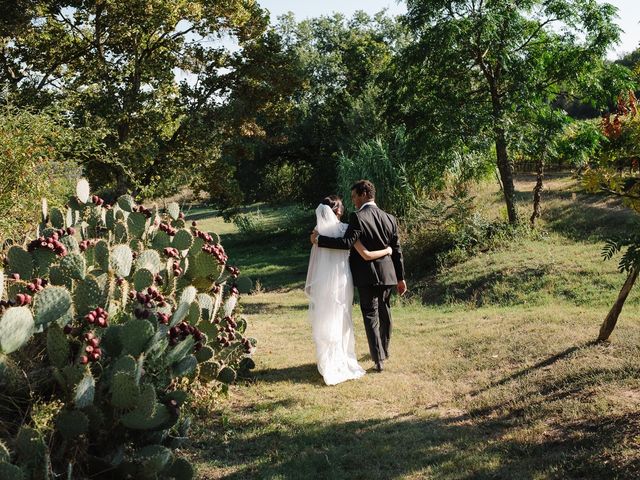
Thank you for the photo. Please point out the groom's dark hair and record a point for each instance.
(365, 187)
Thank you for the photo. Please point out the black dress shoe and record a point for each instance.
(379, 366)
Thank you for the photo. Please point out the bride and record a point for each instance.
(329, 288)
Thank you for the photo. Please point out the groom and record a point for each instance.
(375, 279)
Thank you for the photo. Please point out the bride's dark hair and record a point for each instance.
(335, 202)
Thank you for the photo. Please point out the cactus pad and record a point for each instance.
(87, 295)
(215, 237)
(203, 265)
(137, 421)
(227, 375)
(194, 314)
(182, 240)
(181, 469)
(124, 391)
(142, 279)
(152, 459)
(50, 304)
(137, 224)
(209, 371)
(161, 240)
(180, 314)
(204, 354)
(71, 243)
(43, 259)
(85, 390)
(111, 342)
(244, 284)
(20, 261)
(178, 352)
(122, 260)
(101, 252)
(146, 401)
(173, 209)
(72, 423)
(120, 232)
(126, 364)
(56, 217)
(196, 246)
(149, 259)
(16, 328)
(185, 367)
(209, 328)
(11, 472)
(83, 190)
(30, 448)
(241, 326)
(135, 336)
(57, 346)
(188, 295)
(58, 277)
(126, 203)
(206, 306)
(110, 219)
(73, 266)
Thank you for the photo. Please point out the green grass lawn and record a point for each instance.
(498, 380)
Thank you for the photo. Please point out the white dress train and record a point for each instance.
(329, 288)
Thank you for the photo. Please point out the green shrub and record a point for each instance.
(448, 230)
(103, 316)
(32, 166)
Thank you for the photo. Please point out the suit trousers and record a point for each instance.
(376, 312)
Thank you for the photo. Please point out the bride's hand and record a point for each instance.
(389, 251)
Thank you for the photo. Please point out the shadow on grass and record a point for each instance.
(307, 373)
(526, 371)
(499, 440)
(443, 448)
(266, 308)
(481, 290)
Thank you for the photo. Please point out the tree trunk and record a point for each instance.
(506, 174)
(537, 191)
(612, 318)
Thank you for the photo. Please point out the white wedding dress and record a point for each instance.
(329, 288)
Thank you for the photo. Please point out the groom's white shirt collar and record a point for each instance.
(372, 203)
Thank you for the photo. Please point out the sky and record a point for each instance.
(628, 12)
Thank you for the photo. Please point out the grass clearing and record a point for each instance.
(497, 378)
(468, 393)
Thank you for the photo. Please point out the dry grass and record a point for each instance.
(505, 384)
(468, 393)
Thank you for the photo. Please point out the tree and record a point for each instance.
(333, 65)
(479, 65)
(113, 66)
(617, 173)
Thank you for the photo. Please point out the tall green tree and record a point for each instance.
(114, 66)
(333, 66)
(475, 66)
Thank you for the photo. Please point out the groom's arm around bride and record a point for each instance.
(376, 230)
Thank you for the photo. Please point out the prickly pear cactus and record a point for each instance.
(125, 300)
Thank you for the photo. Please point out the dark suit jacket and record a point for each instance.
(376, 229)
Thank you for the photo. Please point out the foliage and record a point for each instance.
(106, 313)
(400, 183)
(332, 105)
(616, 172)
(39, 156)
(148, 75)
(474, 68)
(579, 144)
(447, 230)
